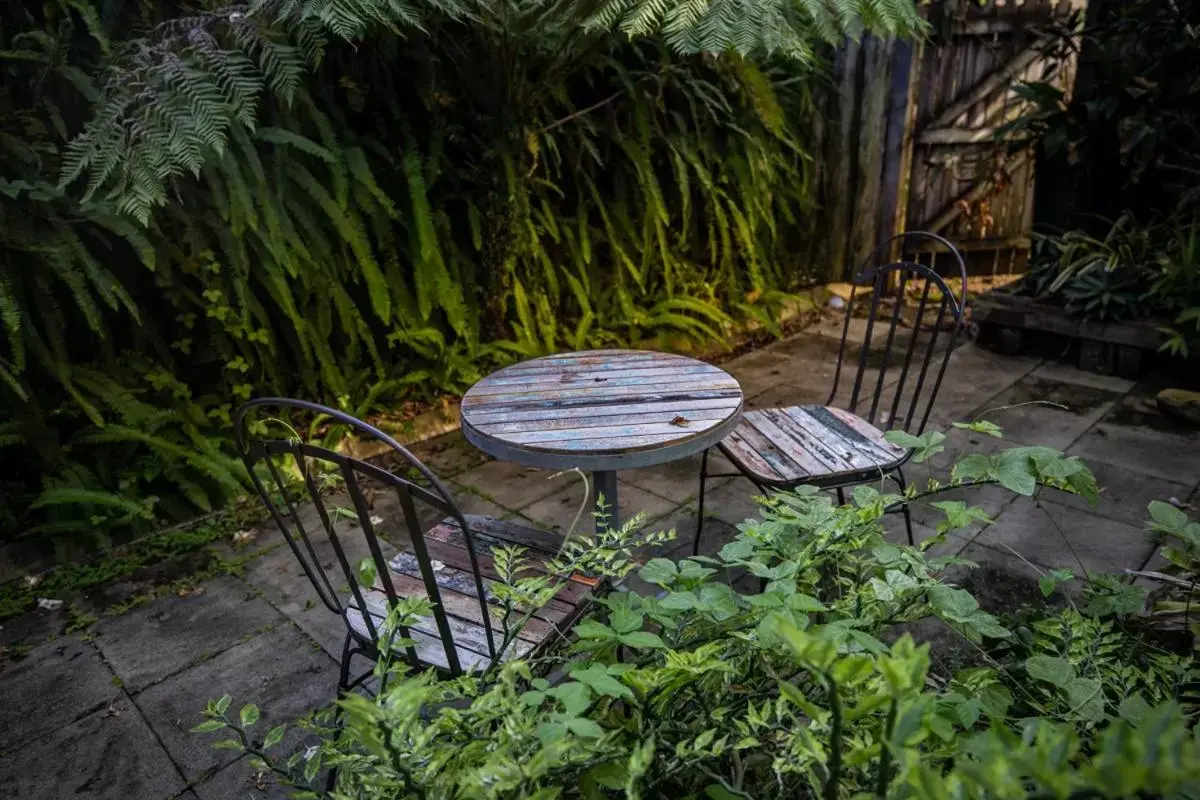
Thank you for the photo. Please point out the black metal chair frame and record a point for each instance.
(880, 278)
(438, 496)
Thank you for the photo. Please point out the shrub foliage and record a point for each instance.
(787, 665)
(368, 203)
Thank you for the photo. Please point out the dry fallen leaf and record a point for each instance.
(32, 581)
(681, 422)
(244, 536)
(191, 592)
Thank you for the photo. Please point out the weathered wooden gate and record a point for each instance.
(962, 181)
(913, 142)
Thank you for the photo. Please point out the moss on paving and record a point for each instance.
(67, 581)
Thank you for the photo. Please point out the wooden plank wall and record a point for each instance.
(889, 158)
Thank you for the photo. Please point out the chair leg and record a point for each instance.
(907, 515)
(343, 685)
(700, 510)
(344, 677)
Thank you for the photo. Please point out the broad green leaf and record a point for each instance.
(641, 639)
(765, 600)
(1166, 517)
(972, 467)
(591, 629)
(601, 682)
(923, 447)
(716, 791)
(902, 439)
(549, 732)
(1051, 669)
(719, 600)
(1013, 470)
(1051, 581)
(955, 604)
(208, 726)
(248, 715)
(887, 553)
(996, 700)
(624, 619)
(981, 426)
(367, 572)
(679, 601)
(1133, 708)
(737, 550)
(793, 693)
(223, 704)
(690, 570)
(659, 571)
(1086, 698)
(574, 696)
(959, 515)
(274, 736)
(582, 726)
(611, 775)
(805, 603)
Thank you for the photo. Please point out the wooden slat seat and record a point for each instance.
(451, 568)
(809, 444)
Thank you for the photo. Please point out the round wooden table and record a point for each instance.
(601, 411)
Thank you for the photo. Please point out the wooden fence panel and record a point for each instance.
(910, 139)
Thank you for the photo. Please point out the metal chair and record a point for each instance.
(835, 447)
(447, 561)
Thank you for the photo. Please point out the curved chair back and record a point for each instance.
(920, 365)
(262, 457)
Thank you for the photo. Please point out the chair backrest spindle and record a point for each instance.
(890, 284)
(260, 454)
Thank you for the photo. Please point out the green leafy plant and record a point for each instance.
(785, 666)
(201, 205)
(1133, 126)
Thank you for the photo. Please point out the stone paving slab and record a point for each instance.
(1066, 373)
(558, 511)
(1052, 536)
(240, 781)
(973, 378)
(1144, 442)
(183, 629)
(1124, 494)
(281, 671)
(110, 754)
(512, 485)
(678, 481)
(1038, 411)
(54, 685)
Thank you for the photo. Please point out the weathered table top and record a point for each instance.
(601, 410)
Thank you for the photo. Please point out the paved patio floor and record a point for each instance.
(105, 713)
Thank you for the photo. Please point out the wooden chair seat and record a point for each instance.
(818, 445)
(451, 568)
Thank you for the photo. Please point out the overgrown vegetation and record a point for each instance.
(1133, 129)
(786, 666)
(369, 204)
